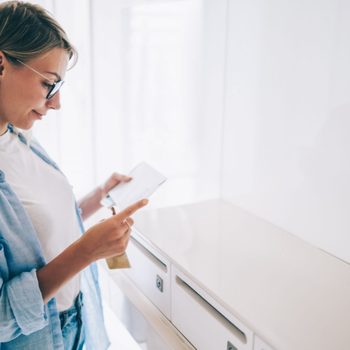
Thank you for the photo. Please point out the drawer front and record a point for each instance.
(202, 321)
(150, 272)
(260, 344)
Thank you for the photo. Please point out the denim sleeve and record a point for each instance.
(22, 309)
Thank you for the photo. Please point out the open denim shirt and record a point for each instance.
(25, 321)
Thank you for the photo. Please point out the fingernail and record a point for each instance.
(144, 201)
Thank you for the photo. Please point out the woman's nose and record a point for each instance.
(54, 102)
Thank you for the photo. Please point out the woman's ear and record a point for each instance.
(2, 58)
(3, 62)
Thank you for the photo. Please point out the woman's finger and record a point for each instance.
(131, 209)
(117, 178)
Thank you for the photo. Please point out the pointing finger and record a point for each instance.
(131, 209)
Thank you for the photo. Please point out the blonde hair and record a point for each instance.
(28, 31)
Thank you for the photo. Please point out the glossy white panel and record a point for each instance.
(287, 144)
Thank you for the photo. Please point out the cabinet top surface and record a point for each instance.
(295, 295)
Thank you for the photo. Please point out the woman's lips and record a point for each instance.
(38, 115)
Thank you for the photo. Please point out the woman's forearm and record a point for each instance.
(91, 203)
(60, 270)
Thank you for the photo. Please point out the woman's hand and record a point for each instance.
(109, 237)
(92, 201)
(114, 180)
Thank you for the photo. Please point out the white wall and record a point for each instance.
(158, 91)
(148, 86)
(287, 117)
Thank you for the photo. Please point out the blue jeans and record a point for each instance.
(72, 325)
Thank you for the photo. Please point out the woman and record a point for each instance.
(47, 301)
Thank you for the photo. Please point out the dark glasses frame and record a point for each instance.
(53, 88)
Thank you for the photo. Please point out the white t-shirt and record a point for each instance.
(48, 199)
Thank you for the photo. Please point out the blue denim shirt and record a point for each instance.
(25, 321)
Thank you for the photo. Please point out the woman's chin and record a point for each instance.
(24, 126)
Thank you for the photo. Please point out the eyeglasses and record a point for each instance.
(52, 88)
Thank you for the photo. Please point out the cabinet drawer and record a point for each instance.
(150, 272)
(202, 321)
(260, 345)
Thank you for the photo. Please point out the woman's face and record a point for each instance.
(23, 91)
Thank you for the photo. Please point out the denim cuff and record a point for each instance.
(27, 302)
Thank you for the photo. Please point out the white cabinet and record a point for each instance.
(260, 345)
(150, 272)
(224, 270)
(202, 321)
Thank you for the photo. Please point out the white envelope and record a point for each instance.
(145, 180)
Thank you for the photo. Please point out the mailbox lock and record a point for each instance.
(230, 346)
(159, 283)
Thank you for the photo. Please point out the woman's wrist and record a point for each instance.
(84, 253)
